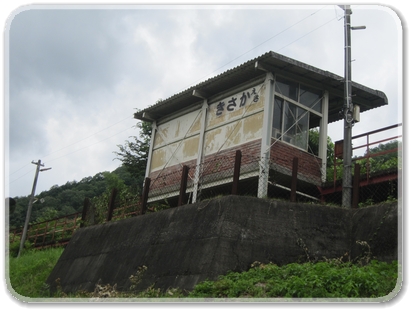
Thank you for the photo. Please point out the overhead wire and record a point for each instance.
(86, 137)
(67, 146)
(260, 44)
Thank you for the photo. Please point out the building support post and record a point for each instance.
(144, 199)
(200, 150)
(236, 176)
(266, 136)
(323, 139)
(182, 198)
(150, 152)
(294, 177)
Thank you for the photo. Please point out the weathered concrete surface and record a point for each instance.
(186, 245)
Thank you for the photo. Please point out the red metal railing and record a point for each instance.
(54, 232)
(367, 154)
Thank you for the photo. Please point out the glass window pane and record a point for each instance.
(301, 129)
(277, 117)
(311, 98)
(287, 88)
(290, 111)
(296, 125)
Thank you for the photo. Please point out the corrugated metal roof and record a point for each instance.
(365, 97)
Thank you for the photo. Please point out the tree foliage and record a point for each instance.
(134, 153)
(67, 199)
(314, 143)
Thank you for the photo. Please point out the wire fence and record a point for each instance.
(286, 175)
(293, 181)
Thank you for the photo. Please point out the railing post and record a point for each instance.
(144, 199)
(293, 196)
(111, 204)
(183, 186)
(236, 176)
(86, 206)
(356, 186)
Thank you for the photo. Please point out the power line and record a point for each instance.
(265, 41)
(307, 34)
(21, 175)
(53, 152)
(86, 137)
(276, 35)
(88, 146)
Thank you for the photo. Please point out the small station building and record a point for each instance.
(265, 108)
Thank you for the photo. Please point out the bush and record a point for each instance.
(15, 246)
(310, 280)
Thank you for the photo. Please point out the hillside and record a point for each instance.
(68, 198)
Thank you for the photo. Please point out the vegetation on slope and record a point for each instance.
(327, 279)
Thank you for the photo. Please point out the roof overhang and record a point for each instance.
(255, 69)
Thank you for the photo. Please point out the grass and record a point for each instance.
(309, 280)
(28, 273)
(327, 279)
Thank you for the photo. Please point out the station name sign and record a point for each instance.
(237, 101)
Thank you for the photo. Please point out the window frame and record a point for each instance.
(306, 109)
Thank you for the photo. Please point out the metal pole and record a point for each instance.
(348, 110)
(348, 114)
(23, 237)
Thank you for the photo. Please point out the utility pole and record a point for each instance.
(26, 225)
(348, 110)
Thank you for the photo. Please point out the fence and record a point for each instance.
(290, 175)
(286, 177)
(55, 232)
(58, 231)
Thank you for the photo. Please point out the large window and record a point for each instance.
(296, 109)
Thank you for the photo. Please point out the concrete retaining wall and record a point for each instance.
(186, 245)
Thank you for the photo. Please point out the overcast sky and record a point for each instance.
(75, 75)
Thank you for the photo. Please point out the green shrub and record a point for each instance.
(320, 280)
(15, 246)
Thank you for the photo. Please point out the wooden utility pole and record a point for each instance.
(26, 225)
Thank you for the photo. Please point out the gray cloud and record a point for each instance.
(75, 73)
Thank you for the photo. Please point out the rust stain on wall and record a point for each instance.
(177, 129)
(158, 140)
(210, 139)
(253, 125)
(190, 147)
(214, 120)
(233, 134)
(196, 125)
(158, 159)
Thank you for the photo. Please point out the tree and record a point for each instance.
(382, 158)
(134, 154)
(313, 146)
